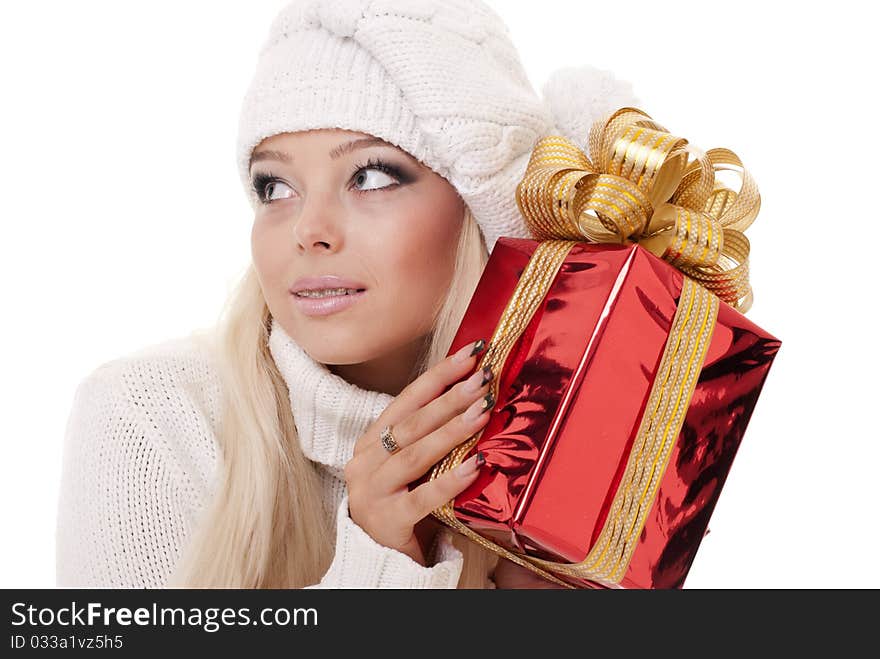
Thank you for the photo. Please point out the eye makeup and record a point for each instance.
(260, 180)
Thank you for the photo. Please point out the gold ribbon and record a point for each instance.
(642, 188)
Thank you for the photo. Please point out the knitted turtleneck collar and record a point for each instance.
(330, 413)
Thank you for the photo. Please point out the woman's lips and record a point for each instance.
(323, 306)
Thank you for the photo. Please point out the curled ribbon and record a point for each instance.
(644, 188)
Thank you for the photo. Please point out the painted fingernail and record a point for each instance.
(470, 466)
(477, 408)
(470, 350)
(473, 383)
(479, 346)
(479, 379)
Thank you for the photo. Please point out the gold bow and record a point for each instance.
(642, 188)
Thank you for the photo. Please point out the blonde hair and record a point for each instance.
(265, 526)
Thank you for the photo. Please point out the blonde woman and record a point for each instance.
(380, 144)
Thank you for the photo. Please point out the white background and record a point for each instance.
(124, 224)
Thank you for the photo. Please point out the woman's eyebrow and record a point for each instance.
(361, 143)
(268, 154)
(335, 153)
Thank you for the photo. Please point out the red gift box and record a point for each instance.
(569, 403)
(623, 387)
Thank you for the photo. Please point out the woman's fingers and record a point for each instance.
(415, 428)
(430, 417)
(416, 458)
(431, 495)
(422, 406)
(433, 382)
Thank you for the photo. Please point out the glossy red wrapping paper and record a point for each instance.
(570, 401)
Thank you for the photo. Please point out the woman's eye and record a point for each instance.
(363, 177)
(368, 177)
(272, 187)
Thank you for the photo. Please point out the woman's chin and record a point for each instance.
(335, 353)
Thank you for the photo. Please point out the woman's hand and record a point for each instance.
(510, 575)
(426, 423)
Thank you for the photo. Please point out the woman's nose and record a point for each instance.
(319, 225)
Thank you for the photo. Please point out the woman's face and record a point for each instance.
(342, 203)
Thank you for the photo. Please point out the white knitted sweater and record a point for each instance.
(140, 456)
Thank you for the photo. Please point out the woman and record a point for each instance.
(380, 144)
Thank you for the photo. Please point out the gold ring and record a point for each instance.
(388, 441)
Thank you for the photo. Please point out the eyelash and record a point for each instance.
(261, 180)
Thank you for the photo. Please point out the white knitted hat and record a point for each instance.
(439, 79)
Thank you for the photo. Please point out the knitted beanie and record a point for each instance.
(439, 79)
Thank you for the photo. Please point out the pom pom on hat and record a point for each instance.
(579, 95)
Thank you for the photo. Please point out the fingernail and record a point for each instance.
(469, 350)
(478, 379)
(479, 346)
(478, 407)
(470, 466)
(472, 384)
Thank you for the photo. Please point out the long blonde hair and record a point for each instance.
(265, 526)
